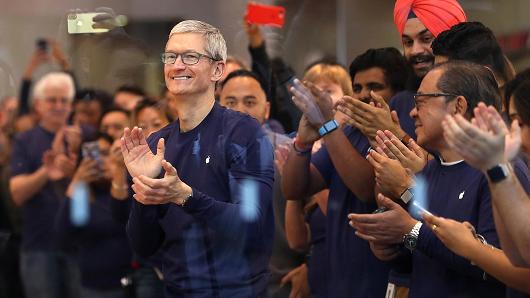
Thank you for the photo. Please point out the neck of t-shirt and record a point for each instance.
(191, 113)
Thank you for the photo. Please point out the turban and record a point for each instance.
(436, 15)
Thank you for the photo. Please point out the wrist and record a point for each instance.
(186, 195)
(302, 148)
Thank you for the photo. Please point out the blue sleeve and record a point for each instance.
(521, 171)
(120, 209)
(24, 106)
(20, 159)
(322, 162)
(143, 228)
(251, 176)
(431, 246)
(261, 67)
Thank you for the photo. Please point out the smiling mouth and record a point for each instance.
(180, 78)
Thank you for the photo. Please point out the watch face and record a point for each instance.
(410, 242)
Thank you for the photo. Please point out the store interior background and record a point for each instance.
(313, 29)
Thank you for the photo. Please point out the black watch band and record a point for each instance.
(498, 173)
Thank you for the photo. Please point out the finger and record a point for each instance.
(379, 158)
(362, 219)
(384, 201)
(419, 151)
(366, 237)
(161, 147)
(395, 117)
(170, 169)
(148, 192)
(379, 99)
(127, 137)
(150, 182)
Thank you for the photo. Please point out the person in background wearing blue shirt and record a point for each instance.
(38, 183)
(242, 91)
(210, 212)
(455, 190)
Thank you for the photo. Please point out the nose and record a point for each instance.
(417, 48)
(414, 113)
(364, 95)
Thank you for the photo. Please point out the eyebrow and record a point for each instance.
(421, 33)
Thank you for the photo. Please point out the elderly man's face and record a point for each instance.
(430, 111)
(417, 42)
(182, 79)
(55, 105)
(244, 94)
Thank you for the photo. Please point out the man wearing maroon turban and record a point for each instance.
(419, 22)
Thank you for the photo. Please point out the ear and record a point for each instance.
(461, 106)
(218, 70)
(267, 110)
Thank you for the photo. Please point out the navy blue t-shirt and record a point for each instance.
(39, 211)
(352, 269)
(459, 192)
(403, 103)
(316, 263)
(220, 243)
(103, 252)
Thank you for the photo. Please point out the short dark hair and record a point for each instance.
(116, 109)
(130, 89)
(241, 73)
(521, 99)
(147, 102)
(390, 60)
(474, 42)
(512, 85)
(475, 82)
(87, 94)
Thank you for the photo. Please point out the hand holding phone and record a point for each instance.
(260, 14)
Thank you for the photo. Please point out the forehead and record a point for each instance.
(430, 81)
(414, 27)
(240, 85)
(182, 42)
(374, 74)
(114, 116)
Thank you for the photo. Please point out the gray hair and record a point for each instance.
(215, 43)
(57, 80)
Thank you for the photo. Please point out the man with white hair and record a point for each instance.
(38, 185)
(209, 212)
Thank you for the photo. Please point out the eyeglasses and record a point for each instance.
(187, 58)
(429, 95)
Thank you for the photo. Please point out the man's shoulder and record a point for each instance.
(405, 97)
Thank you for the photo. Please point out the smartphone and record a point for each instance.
(91, 150)
(83, 23)
(265, 15)
(42, 44)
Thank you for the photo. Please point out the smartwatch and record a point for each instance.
(498, 173)
(328, 127)
(407, 195)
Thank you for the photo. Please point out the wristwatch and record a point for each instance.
(498, 173)
(407, 195)
(183, 202)
(328, 127)
(410, 240)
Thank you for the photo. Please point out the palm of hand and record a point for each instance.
(141, 161)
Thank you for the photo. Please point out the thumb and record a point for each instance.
(383, 201)
(170, 170)
(379, 99)
(395, 117)
(161, 147)
(515, 130)
(412, 145)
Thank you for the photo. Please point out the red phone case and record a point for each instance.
(265, 14)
